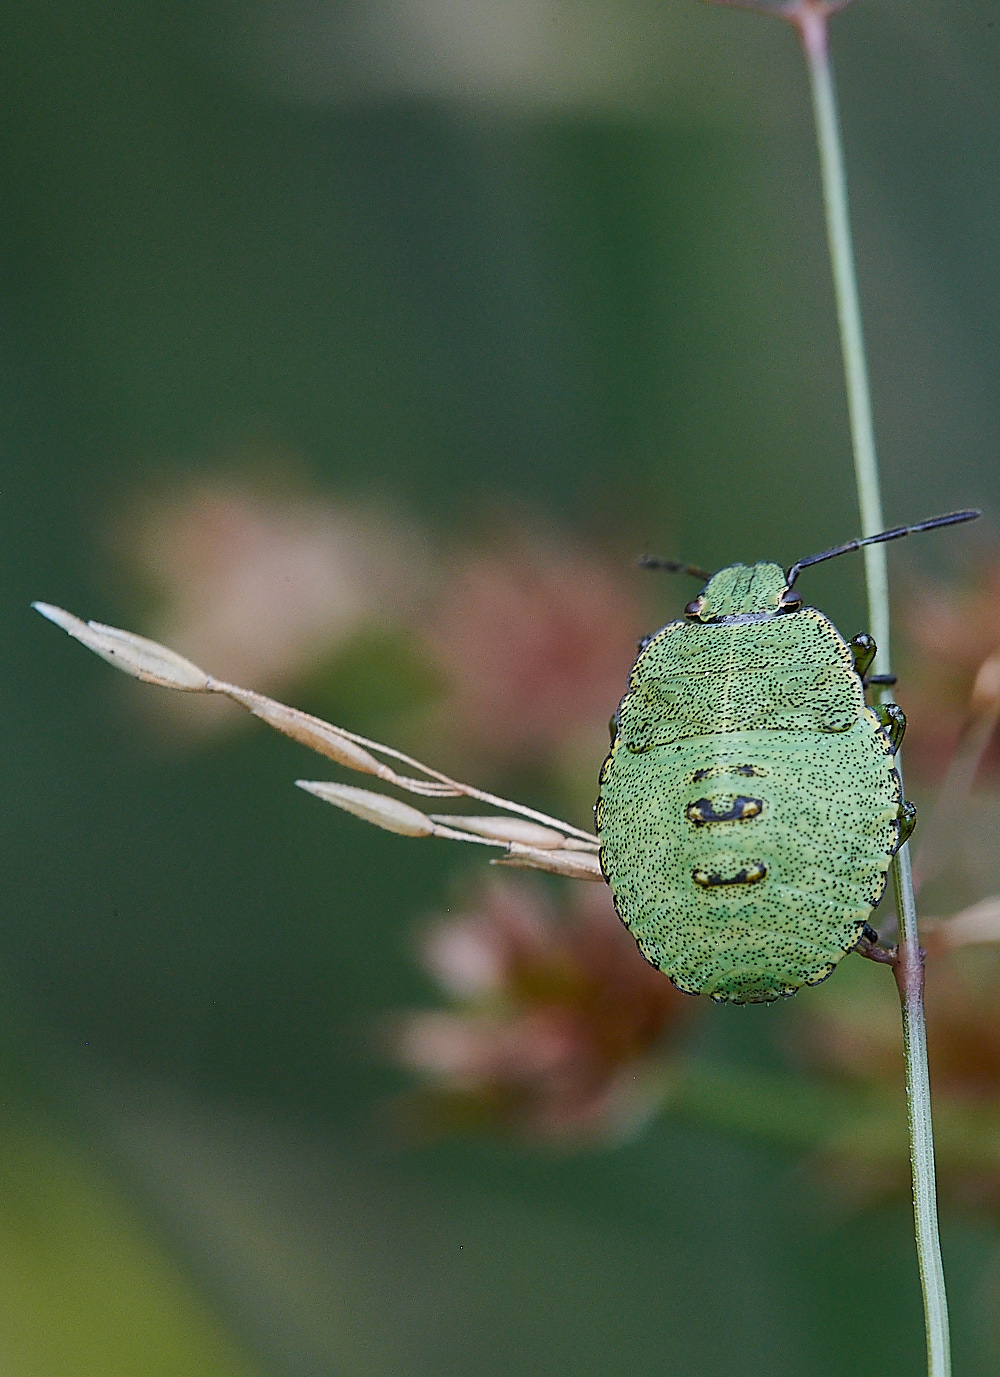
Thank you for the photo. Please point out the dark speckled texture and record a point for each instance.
(751, 906)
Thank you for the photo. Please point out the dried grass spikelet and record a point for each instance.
(527, 839)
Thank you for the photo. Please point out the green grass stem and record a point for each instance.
(811, 19)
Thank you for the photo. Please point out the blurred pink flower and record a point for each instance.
(259, 585)
(949, 636)
(854, 1036)
(559, 1025)
(536, 642)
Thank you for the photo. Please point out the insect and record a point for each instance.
(750, 806)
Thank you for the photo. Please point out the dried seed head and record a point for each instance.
(575, 865)
(143, 659)
(505, 829)
(310, 731)
(379, 809)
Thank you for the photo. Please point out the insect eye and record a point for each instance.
(790, 602)
(694, 608)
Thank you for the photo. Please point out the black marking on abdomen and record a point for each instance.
(749, 875)
(751, 772)
(703, 810)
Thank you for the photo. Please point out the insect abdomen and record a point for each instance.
(763, 890)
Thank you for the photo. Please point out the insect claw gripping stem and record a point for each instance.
(907, 820)
(869, 947)
(864, 650)
(893, 721)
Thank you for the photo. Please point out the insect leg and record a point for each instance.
(863, 649)
(893, 721)
(869, 946)
(887, 679)
(907, 821)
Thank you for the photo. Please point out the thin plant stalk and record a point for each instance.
(811, 19)
(812, 25)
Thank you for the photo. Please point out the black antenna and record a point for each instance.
(952, 519)
(673, 566)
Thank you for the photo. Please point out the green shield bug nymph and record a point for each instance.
(750, 806)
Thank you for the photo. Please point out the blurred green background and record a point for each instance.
(554, 265)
